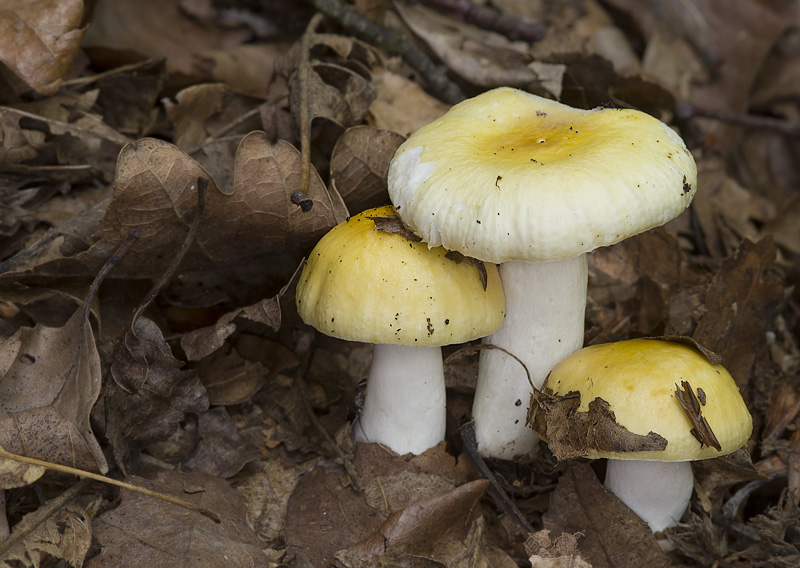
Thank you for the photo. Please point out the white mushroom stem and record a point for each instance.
(545, 310)
(404, 407)
(659, 492)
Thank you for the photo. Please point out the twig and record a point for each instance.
(396, 44)
(132, 237)
(202, 187)
(304, 72)
(472, 349)
(97, 477)
(790, 128)
(501, 499)
(33, 520)
(490, 19)
(223, 130)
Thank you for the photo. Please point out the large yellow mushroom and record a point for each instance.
(512, 178)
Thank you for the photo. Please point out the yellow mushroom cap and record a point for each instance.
(508, 175)
(639, 378)
(365, 284)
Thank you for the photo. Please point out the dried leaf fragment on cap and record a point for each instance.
(691, 405)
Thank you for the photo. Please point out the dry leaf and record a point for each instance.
(83, 146)
(401, 105)
(128, 96)
(130, 538)
(39, 39)
(247, 68)
(267, 491)
(560, 552)
(154, 191)
(124, 29)
(325, 515)
(206, 109)
(613, 536)
(572, 434)
(418, 528)
(222, 451)
(338, 90)
(48, 418)
(150, 394)
(392, 484)
(230, 379)
(265, 315)
(359, 164)
(65, 536)
(740, 302)
(481, 57)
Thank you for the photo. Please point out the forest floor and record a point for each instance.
(151, 234)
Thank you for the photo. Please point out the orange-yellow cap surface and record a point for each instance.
(508, 175)
(638, 378)
(364, 284)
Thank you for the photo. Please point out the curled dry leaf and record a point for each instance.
(150, 393)
(83, 147)
(360, 163)
(339, 91)
(130, 538)
(613, 536)
(39, 40)
(692, 404)
(66, 536)
(265, 315)
(204, 110)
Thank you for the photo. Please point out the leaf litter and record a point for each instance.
(221, 395)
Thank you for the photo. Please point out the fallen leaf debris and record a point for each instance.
(190, 372)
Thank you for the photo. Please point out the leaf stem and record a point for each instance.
(97, 477)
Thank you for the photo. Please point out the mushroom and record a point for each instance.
(512, 178)
(366, 281)
(651, 406)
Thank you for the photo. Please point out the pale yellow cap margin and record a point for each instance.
(508, 175)
(363, 284)
(638, 379)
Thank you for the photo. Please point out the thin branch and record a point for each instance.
(202, 189)
(790, 128)
(490, 19)
(33, 520)
(304, 72)
(396, 44)
(97, 477)
(500, 498)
